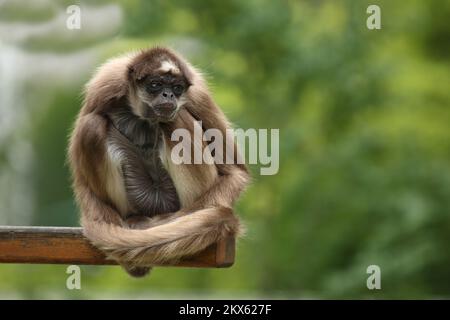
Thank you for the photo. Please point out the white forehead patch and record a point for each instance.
(169, 66)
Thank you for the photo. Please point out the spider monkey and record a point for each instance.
(137, 206)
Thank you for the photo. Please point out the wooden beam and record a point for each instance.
(61, 245)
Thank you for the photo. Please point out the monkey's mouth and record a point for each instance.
(164, 111)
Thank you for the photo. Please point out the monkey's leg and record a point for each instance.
(136, 222)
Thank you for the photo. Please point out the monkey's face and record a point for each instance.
(161, 95)
(158, 85)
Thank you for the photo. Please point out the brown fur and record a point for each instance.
(207, 192)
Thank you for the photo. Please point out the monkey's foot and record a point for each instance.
(137, 272)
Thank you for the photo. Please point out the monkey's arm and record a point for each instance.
(87, 157)
(233, 177)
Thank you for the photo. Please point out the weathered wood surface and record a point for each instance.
(61, 245)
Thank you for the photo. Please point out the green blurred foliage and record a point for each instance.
(364, 153)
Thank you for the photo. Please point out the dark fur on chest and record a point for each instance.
(150, 190)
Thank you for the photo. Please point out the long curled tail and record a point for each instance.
(181, 236)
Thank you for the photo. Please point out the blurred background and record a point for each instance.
(364, 139)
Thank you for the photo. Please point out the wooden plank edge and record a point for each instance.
(25, 241)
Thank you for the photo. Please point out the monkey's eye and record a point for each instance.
(178, 89)
(155, 86)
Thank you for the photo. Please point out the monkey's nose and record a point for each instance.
(168, 95)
